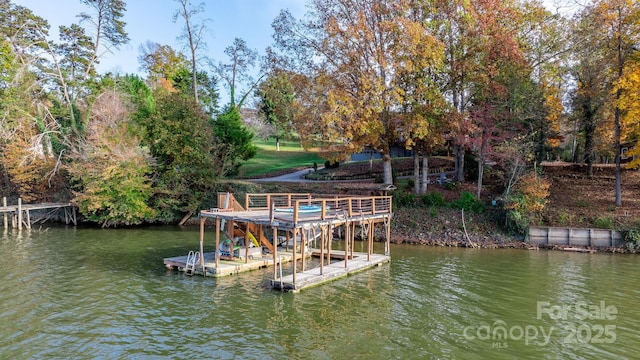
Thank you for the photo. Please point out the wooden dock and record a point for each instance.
(227, 267)
(20, 215)
(330, 272)
(264, 220)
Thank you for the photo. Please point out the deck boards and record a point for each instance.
(228, 267)
(313, 277)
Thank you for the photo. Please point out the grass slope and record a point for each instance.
(269, 161)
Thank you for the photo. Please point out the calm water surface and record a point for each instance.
(81, 293)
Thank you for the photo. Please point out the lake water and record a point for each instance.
(79, 293)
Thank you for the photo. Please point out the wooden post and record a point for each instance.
(370, 247)
(295, 231)
(28, 219)
(329, 240)
(246, 242)
(387, 247)
(19, 214)
(217, 256)
(286, 245)
(275, 253)
(202, 220)
(303, 245)
(322, 240)
(347, 237)
(353, 238)
(5, 214)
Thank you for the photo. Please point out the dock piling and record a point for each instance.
(19, 214)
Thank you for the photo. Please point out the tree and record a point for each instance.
(356, 50)
(170, 69)
(192, 34)
(277, 104)
(615, 25)
(629, 105)
(233, 141)
(238, 71)
(161, 62)
(180, 136)
(76, 55)
(109, 29)
(110, 169)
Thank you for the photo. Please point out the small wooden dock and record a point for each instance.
(227, 267)
(264, 220)
(329, 272)
(20, 215)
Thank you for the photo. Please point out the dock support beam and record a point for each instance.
(295, 232)
(5, 215)
(202, 220)
(275, 253)
(19, 214)
(217, 250)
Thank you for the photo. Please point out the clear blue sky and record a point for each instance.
(152, 20)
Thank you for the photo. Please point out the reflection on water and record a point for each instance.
(69, 292)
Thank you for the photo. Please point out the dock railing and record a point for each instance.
(294, 206)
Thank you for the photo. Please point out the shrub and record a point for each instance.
(433, 198)
(410, 184)
(469, 202)
(331, 164)
(603, 223)
(631, 237)
(526, 203)
(404, 199)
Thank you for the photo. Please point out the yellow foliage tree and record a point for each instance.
(629, 104)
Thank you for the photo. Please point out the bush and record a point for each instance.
(603, 223)
(451, 185)
(526, 203)
(469, 202)
(631, 237)
(404, 199)
(434, 198)
(410, 184)
(331, 164)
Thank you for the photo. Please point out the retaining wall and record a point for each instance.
(575, 236)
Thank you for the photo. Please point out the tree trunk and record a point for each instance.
(386, 166)
(425, 174)
(416, 172)
(480, 174)
(589, 131)
(277, 143)
(459, 162)
(617, 134)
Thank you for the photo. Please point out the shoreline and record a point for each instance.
(509, 244)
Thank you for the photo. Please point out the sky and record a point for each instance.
(152, 20)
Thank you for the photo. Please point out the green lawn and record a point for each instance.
(268, 160)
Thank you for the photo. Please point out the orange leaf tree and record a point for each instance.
(357, 52)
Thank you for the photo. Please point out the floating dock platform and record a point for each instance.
(226, 267)
(335, 270)
(285, 225)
